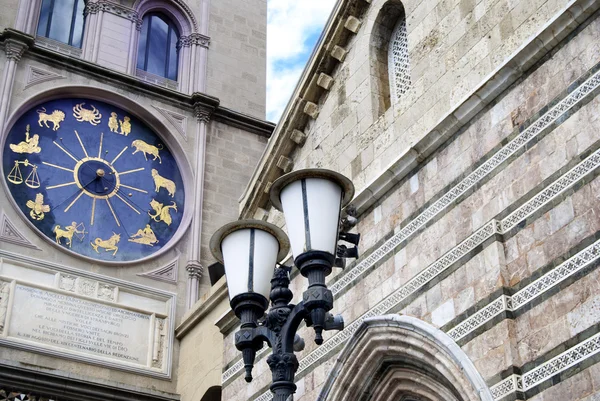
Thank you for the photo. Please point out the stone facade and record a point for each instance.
(217, 138)
(477, 190)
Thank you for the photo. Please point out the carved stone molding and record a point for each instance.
(9, 233)
(37, 75)
(168, 272)
(179, 121)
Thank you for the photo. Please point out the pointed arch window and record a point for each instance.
(157, 51)
(62, 20)
(398, 62)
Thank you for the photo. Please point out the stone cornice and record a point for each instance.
(72, 387)
(132, 83)
(307, 90)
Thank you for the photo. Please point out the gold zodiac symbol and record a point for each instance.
(85, 115)
(29, 145)
(68, 232)
(144, 236)
(113, 124)
(125, 126)
(108, 244)
(162, 182)
(141, 146)
(37, 207)
(55, 118)
(16, 177)
(163, 213)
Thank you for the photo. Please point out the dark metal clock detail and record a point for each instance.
(94, 179)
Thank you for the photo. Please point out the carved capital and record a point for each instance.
(118, 9)
(194, 269)
(203, 113)
(138, 24)
(14, 49)
(199, 39)
(91, 8)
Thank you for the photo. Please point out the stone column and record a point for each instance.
(91, 19)
(194, 267)
(14, 51)
(199, 47)
(134, 40)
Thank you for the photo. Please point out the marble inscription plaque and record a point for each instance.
(79, 326)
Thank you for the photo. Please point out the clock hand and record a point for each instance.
(74, 193)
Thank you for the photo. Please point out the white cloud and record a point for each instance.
(293, 27)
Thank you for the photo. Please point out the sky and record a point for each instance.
(293, 29)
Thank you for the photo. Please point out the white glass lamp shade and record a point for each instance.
(249, 250)
(311, 201)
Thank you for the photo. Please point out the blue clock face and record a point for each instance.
(94, 179)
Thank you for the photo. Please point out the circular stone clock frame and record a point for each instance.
(94, 176)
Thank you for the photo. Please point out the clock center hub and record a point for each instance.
(96, 177)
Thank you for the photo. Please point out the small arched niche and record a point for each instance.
(396, 357)
(388, 47)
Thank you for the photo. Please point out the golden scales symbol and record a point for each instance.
(16, 177)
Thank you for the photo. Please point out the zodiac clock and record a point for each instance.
(94, 179)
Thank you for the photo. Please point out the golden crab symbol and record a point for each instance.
(81, 114)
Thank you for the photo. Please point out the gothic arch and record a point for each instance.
(391, 19)
(177, 10)
(402, 357)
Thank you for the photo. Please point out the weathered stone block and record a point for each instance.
(352, 24)
(285, 163)
(311, 109)
(324, 81)
(338, 53)
(298, 137)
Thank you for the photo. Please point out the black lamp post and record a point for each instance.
(311, 201)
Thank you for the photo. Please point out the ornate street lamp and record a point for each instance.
(311, 201)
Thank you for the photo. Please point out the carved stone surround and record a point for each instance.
(440, 206)
(69, 295)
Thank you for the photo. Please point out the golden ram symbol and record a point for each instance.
(162, 182)
(141, 146)
(55, 118)
(108, 244)
(85, 115)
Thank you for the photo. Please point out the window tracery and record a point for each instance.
(398, 61)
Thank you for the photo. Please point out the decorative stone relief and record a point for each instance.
(167, 273)
(4, 297)
(37, 75)
(86, 287)
(536, 376)
(107, 292)
(67, 282)
(10, 234)
(179, 121)
(159, 342)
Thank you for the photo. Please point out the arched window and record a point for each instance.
(398, 62)
(62, 20)
(157, 51)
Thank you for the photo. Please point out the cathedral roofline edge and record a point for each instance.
(330, 53)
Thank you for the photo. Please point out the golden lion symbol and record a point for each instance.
(162, 182)
(55, 118)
